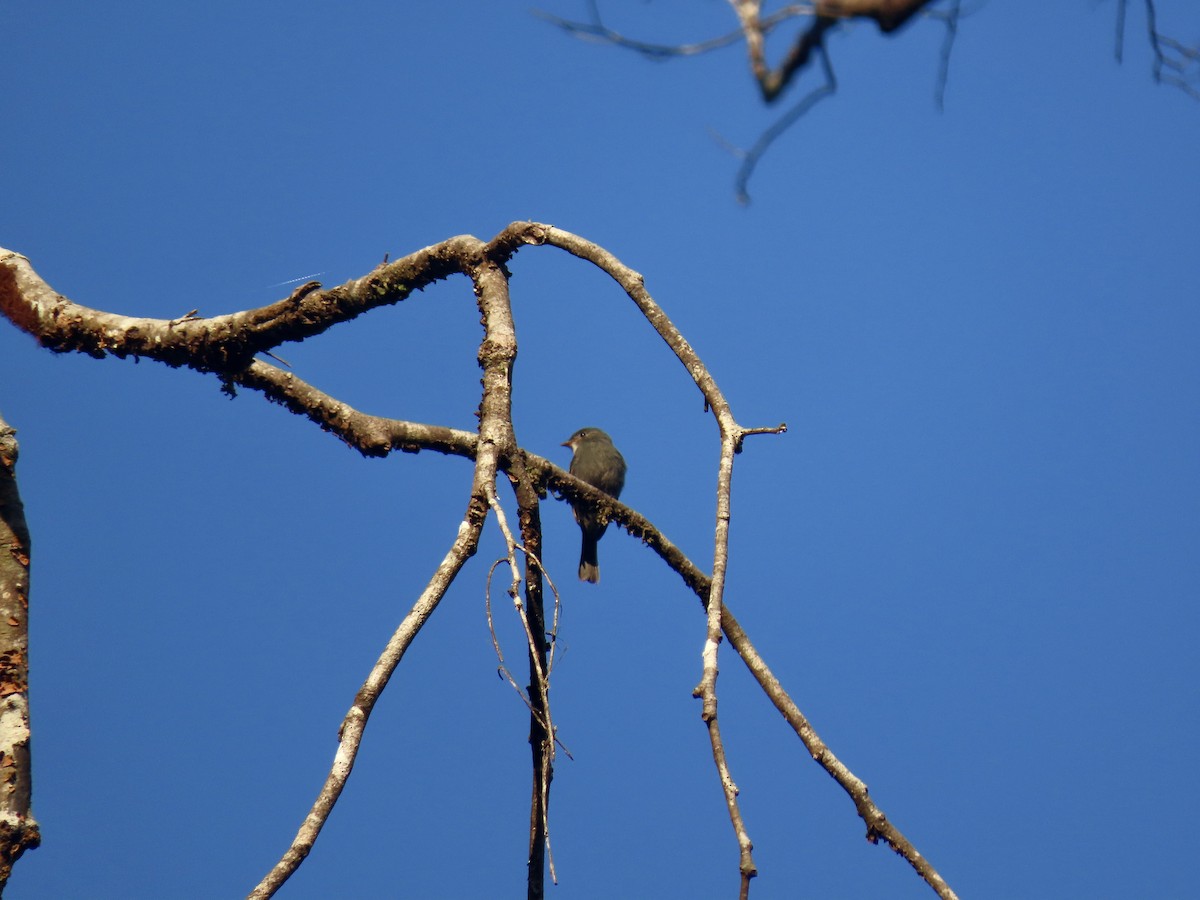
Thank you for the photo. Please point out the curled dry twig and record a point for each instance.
(502, 668)
(222, 345)
(539, 705)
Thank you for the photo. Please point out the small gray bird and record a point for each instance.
(597, 462)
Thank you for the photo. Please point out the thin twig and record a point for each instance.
(222, 344)
(731, 436)
(879, 827)
(751, 157)
(1120, 38)
(543, 675)
(950, 17)
(540, 713)
(503, 669)
(1152, 34)
(1176, 69)
(353, 726)
(597, 30)
(495, 356)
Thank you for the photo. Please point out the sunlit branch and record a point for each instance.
(25, 298)
(731, 438)
(221, 343)
(495, 430)
(353, 726)
(879, 827)
(19, 830)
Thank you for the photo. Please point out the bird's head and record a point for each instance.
(584, 435)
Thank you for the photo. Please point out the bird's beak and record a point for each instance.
(568, 444)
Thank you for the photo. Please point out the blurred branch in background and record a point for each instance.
(1174, 62)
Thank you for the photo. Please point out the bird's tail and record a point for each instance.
(589, 565)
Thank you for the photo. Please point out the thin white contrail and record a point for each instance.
(294, 280)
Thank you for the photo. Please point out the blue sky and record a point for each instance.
(973, 559)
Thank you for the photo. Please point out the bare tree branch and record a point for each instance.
(750, 158)
(950, 17)
(18, 829)
(731, 439)
(1120, 39)
(889, 15)
(351, 732)
(1175, 63)
(222, 343)
(809, 44)
(26, 299)
(595, 29)
(543, 736)
(772, 82)
(878, 825)
(496, 356)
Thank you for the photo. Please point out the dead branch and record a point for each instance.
(1175, 63)
(223, 343)
(353, 726)
(750, 158)
(495, 435)
(879, 827)
(18, 828)
(28, 301)
(732, 435)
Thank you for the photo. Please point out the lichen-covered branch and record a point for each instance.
(222, 345)
(18, 828)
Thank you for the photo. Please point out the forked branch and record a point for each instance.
(223, 348)
(1174, 62)
(495, 438)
